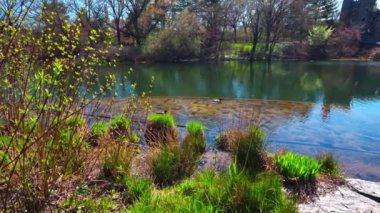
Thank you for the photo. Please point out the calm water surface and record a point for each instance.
(342, 99)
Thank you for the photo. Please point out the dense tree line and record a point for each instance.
(199, 26)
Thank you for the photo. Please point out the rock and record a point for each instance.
(366, 188)
(351, 197)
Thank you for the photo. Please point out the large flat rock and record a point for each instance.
(355, 196)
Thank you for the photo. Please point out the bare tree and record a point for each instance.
(274, 13)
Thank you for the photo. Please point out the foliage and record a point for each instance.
(99, 128)
(208, 191)
(195, 140)
(90, 204)
(195, 128)
(171, 45)
(164, 120)
(121, 122)
(248, 151)
(137, 189)
(171, 164)
(297, 166)
(345, 42)
(318, 35)
(329, 164)
(117, 161)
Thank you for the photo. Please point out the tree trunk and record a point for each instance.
(235, 34)
(255, 39)
(118, 31)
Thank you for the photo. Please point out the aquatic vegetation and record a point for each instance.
(99, 128)
(329, 165)
(195, 139)
(120, 122)
(164, 120)
(293, 165)
(227, 139)
(195, 128)
(171, 164)
(249, 150)
(161, 129)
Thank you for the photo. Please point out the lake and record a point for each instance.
(306, 107)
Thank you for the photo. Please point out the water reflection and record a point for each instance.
(327, 106)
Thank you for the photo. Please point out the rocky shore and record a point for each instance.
(354, 196)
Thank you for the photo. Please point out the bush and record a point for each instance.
(171, 164)
(248, 151)
(297, 166)
(195, 140)
(99, 128)
(161, 129)
(319, 34)
(117, 161)
(329, 165)
(171, 45)
(345, 42)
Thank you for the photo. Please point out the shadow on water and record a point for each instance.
(320, 106)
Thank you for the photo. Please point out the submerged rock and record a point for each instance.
(355, 196)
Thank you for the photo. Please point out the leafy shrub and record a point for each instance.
(195, 140)
(248, 151)
(161, 129)
(345, 42)
(178, 42)
(297, 166)
(99, 128)
(329, 164)
(171, 164)
(318, 35)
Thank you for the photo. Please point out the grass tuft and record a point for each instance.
(302, 167)
(99, 128)
(195, 128)
(120, 122)
(329, 165)
(171, 164)
(249, 152)
(164, 120)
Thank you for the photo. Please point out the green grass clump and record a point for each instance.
(120, 122)
(164, 120)
(195, 128)
(234, 191)
(99, 128)
(248, 151)
(117, 162)
(195, 141)
(297, 166)
(171, 164)
(75, 121)
(90, 204)
(329, 165)
(136, 189)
